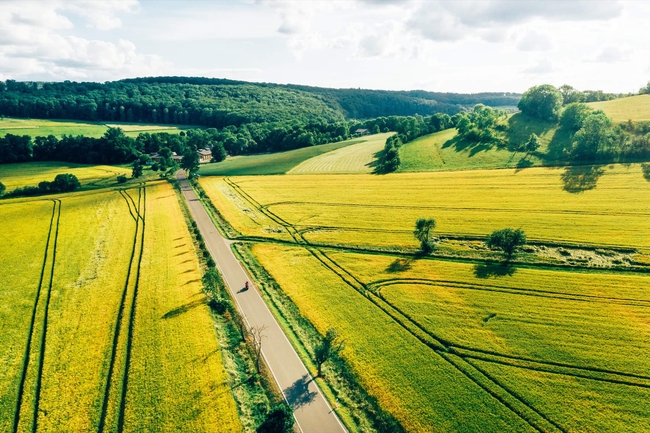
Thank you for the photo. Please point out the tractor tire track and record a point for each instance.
(379, 285)
(41, 354)
(134, 303)
(23, 374)
(101, 426)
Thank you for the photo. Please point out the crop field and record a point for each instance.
(31, 173)
(591, 205)
(455, 344)
(634, 108)
(357, 158)
(446, 348)
(44, 127)
(280, 162)
(102, 315)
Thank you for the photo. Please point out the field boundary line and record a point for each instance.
(21, 386)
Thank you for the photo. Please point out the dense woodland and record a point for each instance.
(243, 118)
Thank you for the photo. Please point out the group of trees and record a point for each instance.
(592, 135)
(62, 183)
(483, 125)
(506, 240)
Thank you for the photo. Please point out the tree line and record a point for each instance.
(592, 135)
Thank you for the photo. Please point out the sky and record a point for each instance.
(449, 46)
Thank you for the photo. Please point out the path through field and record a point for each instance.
(311, 410)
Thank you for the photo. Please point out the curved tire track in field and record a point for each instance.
(438, 346)
(456, 209)
(23, 375)
(120, 313)
(448, 284)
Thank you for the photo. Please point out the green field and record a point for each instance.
(275, 163)
(102, 317)
(634, 108)
(357, 158)
(43, 127)
(458, 341)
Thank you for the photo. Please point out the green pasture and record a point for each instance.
(275, 163)
(45, 127)
(634, 108)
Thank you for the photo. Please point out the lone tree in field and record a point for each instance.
(506, 240)
(330, 345)
(2, 188)
(422, 232)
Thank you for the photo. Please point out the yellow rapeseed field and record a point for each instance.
(177, 381)
(31, 173)
(602, 205)
(83, 252)
(415, 384)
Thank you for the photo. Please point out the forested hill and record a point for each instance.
(219, 102)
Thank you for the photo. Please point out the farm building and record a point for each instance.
(205, 155)
(361, 131)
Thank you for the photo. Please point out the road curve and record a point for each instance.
(311, 410)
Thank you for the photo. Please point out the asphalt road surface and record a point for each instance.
(312, 412)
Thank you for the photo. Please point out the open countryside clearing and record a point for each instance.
(85, 316)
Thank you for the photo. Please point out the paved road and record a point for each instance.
(312, 412)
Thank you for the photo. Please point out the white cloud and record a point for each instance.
(534, 41)
(102, 15)
(612, 55)
(543, 66)
(37, 39)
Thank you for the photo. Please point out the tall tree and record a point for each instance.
(506, 240)
(190, 162)
(329, 346)
(543, 102)
(422, 232)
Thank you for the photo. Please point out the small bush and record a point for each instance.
(121, 178)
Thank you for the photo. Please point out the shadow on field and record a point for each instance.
(298, 393)
(494, 270)
(460, 145)
(646, 171)
(581, 178)
(399, 265)
(184, 308)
